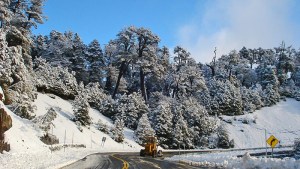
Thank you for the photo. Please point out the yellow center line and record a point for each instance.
(125, 163)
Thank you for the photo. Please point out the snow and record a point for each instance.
(281, 120)
(230, 160)
(27, 151)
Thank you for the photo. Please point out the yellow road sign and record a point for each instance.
(272, 141)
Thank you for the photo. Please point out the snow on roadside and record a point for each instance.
(27, 151)
(230, 160)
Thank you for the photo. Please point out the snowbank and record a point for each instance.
(230, 160)
(27, 151)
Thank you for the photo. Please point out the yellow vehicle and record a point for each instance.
(151, 148)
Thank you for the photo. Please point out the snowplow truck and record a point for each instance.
(150, 148)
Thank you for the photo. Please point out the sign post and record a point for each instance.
(272, 141)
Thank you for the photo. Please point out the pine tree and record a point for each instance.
(143, 130)
(130, 108)
(162, 123)
(181, 133)
(95, 61)
(81, 108)
(79, 61)
(117, 131)
(270, 95)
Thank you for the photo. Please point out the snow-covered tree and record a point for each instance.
(117, 131)
(223, 138)
(181, 136)
(270, 95)
(57, 80)
(5, 13)
(197, 119)
(45, 121)
(102, 126)
(125, 53)
(81, 107)
(225, 97)
(161, 118)
(285, 62)
(111, 74)
(251, 100)
(146, 47)
(143, 130)
(95, 62)
(130, 108)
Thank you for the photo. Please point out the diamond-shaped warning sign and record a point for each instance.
(272, 141)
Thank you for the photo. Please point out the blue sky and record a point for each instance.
(197, 25)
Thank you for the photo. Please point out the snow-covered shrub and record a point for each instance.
(45, 121)
(99, 100)
(223, 138)
(49, 139)
(143, 130)
(288, 89)
(117, 131)
(102, 127)
(56, 80)
(26, 110)
(79, 126)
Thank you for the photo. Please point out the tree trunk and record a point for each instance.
(142, 81)
(212, 70)
(121, 72)
(108, 84)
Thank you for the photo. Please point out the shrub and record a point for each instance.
(49, 139)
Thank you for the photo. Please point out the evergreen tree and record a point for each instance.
(130, 108)
(226, 98)
(143, 130)
(181, 133)
(79, 61)
(81, 108)
(161, 118)
(270, 95)
(117, 131)
(95, 62)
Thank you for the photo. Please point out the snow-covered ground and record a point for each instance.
(281, 120)
(231, 161)
(27, 151)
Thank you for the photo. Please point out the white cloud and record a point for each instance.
(232, 24)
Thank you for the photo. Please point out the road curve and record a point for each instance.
(125, 161)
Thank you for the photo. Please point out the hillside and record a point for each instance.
(280, 120)
(27, 151)
(26, 147)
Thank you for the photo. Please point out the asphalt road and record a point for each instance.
(125, 161)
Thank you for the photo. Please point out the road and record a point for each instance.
(125, 161)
